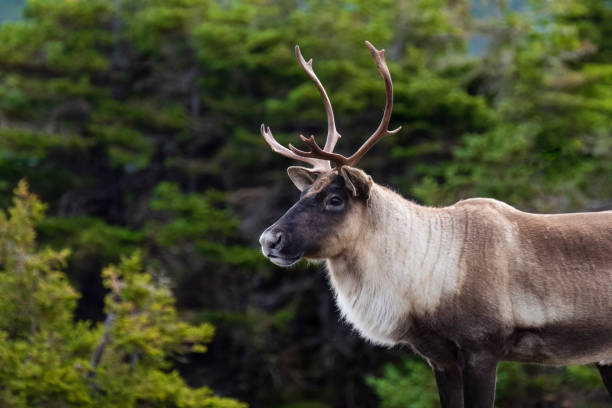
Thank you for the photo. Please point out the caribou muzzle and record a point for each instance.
(276, 245)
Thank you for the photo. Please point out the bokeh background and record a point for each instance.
(136, 123)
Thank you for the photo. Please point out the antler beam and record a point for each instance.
(332, 134)
(381, 131)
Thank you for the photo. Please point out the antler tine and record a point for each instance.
(317, 153)
(280, 149)
(382, 130)
(332, 133)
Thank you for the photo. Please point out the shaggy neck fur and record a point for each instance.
(401, 265)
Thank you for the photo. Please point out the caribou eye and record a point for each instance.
(334, 203)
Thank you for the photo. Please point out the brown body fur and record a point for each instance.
(556, 268)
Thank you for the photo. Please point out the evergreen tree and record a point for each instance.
(49, 359)
(137, 121)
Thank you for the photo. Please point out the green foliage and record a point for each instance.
(49, 359)
(36, 297)
(558, 384)
(199, 222)
(31, 145)
(137, 121)
(551, 104)
(88, 236)
(144, 316)
(409, 385)
(144, 332)
(412, 384)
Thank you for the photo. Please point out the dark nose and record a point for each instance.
(271, 241)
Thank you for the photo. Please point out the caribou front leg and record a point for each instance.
(478, 371)
(606, 376)
(450, 387)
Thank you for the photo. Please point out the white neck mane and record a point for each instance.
(403, 264)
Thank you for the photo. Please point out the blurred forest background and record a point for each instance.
(136, 123)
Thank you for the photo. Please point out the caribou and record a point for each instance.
(465, 286)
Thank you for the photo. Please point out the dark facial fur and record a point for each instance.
(315, 226)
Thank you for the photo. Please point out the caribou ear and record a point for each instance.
(357, 181)
(302, 177)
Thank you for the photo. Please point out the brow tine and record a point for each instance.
(282, 150)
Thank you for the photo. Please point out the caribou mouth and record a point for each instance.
(282, 261)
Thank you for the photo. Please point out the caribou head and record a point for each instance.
(326, 219)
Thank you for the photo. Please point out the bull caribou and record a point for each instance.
(465, 286)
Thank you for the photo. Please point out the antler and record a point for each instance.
(332, 133)
(280, 149)
(320, 158)
(382, 130)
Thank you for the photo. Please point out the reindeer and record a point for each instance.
(465, 286)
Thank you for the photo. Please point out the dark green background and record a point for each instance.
(137, 122)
